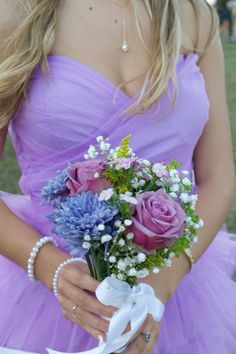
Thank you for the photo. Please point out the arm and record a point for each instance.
(3, 135)
(17, 238)
(213, 165)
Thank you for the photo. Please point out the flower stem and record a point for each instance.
(88, 260)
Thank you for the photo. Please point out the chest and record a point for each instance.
(92, 32)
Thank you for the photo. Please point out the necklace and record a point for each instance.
(124, 46)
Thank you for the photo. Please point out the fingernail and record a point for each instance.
(100, 339)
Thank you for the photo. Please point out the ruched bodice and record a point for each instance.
(67, 110)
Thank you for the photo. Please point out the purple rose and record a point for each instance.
(85, 176)
(158, 221)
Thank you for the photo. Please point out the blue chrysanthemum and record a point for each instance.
(55, 187)
(80, 215)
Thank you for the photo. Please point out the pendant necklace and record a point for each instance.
(124, 46)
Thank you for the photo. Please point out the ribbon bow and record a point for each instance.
(134, 306)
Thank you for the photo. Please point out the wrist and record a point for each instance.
(166, 281)
(46, 263)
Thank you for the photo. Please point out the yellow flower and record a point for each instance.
(124, 148)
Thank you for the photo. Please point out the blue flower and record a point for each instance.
(55, 187)
(80, 215)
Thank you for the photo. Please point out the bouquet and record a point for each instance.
(127, 217)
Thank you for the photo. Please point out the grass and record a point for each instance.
(230, 72)
(9, 171)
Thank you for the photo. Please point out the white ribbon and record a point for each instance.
(134, 306)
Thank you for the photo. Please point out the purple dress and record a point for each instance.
(63, 115)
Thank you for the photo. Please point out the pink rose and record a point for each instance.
(158, 221)
(81, 177)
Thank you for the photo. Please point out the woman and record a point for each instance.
(92, 47)
(225, 13)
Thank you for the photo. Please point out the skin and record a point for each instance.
(99, 48)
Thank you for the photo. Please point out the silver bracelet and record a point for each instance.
(35, 250)
(59, 268)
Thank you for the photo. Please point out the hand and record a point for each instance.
(76, 287)
(138, 344)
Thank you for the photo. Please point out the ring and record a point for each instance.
(73, 311)
(147, 336)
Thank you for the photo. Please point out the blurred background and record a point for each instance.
(9, 171)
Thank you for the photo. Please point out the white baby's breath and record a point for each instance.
(87, 238)
(121, 242)
(120, 276)
(121, 229)
(201, 223)
(101, 227)
(92, 152)
(128, 261)
(139, 174)
(174, 188)
(156, 270)
(184, 197)
(143, 273)
(159, 169)
(168, 262)
(141, 257)
(142, 182)
(132, 272)
(175, 180)
(130, 236)
(99, 138)
(186, 181)
(106, 238)
(118, 223)
(121, 265)
(196, 226)
(86, 245)
(106, 194)
(128, 222)
(145, 163)
(135, 183)
(112, 259)
(127, 196)
(173, 173)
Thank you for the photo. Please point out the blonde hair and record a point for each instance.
(34, 37)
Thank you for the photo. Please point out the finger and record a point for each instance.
(148, 326)
(94, 332)
(85, 301)
(137, 346)
(138, 343)
(73, 274)
(84, 316)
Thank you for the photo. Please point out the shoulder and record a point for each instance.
(199, 21)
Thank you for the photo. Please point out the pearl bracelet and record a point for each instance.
(58, 270)
(188, 253)
(35, 250)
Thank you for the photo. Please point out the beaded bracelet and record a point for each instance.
(59, 268)
(35, 250)
(188, 253)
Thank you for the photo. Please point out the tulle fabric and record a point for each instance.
(61, 118)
